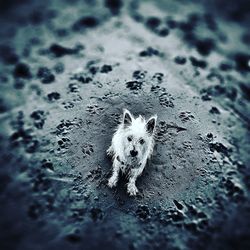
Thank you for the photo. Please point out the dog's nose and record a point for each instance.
(133, 153)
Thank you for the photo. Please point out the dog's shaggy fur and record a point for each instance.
(132, 144)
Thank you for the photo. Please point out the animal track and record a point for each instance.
(156, 89)
(40, 181)
(116, 117)
(187, 145)
(68, 105)
(39, 118)
(143, 212)
(157, 78)
(73, 88)
(94, 109)
(162, 130)
(161, 133)
(64, 143)
(59, 68)
(66, 125)
(233, 188)
(134, 85)
(186, 215)
(45, 75)
(87, 150)
(139, 75)
(165, 99)
(53, 96)
(186, 116)
(18, 121)
(77, 98)
(109, 95)
(95, 173)
(148, 52)
(26, 138)
(96, 214)
(81, 77)
(47, 164)
(106, 68)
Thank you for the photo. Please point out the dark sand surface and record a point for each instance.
(68, 68)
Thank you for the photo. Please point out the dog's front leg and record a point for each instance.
(132, 189)
(115, 174)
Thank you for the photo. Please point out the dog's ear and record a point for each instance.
(151, 123)
(127, 117)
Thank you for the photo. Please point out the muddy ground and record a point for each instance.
(68, 68)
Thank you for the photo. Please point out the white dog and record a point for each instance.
(132, 144)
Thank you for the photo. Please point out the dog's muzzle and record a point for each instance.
(133, 153)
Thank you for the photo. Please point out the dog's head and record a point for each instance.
(137, 135)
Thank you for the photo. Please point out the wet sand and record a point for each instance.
(67, 70)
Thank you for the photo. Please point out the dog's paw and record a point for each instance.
(109, 151)
(112, 182)
(132, 189)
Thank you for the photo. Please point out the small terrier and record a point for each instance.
(132, 144)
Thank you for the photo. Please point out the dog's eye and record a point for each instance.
(129, 138)
(141, 141)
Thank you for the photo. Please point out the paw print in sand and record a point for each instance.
(139, 75)
(94, 109)
(68, 105)
(134, 85)
(158, 78)
(116, 118)
(64, 143)
(186, 116)
(165, 130)
(73, 88)
(39, 117)
(166, 100)
(87, 150)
